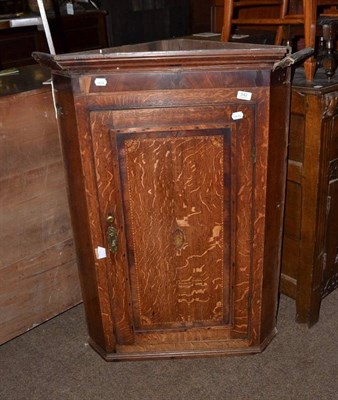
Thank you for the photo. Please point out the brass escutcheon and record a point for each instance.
(112, 235)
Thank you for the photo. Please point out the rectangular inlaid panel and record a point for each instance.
(176, 189)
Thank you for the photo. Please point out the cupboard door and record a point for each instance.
(181, 195)
(176, 200)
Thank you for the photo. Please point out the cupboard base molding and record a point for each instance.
(223, 349)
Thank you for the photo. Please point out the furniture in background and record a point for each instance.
(231, 19)
(308, 20)
(38, 271)
(218, 16)
(71, 33)
(310, 244)
(326, 54)
(199, 16)
(138, 21)
(176, 260)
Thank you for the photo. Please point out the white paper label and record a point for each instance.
(244, 95)
(237, 115)
(70, 8)
(100, 82)
(100, 252)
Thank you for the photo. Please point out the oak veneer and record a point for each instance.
(155, 154)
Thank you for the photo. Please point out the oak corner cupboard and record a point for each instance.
(176, 159)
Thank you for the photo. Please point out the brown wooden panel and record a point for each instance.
(38, 271)
(294, 172)
(217, 17)
(296, 138)
(35, 213)
(168, 98)
(179, 279)
(143, 120)
(168, 80)
(291, 249)
(27, 142)
(37, 288)
(292, 223)
(109, 198)
(298, 102)
(92, 272)
(309, 260)
(200, 16)
(288, 286)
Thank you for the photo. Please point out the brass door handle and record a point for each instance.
(112, 234)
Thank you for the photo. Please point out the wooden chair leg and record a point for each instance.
(228, 14)
(280, 33)
(310, 18)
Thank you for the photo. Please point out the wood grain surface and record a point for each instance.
(179, 274)
(38, 269)
(190, 177)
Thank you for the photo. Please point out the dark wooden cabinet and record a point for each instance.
(200, 17)
(176, 163)
(310, 262)
(70, 33)
(138, 21)
(217, 15)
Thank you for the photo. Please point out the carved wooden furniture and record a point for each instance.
(310, 262)
(176, 163)
(38, 271)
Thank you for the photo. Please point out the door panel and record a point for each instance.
(182, 199)
(177, 209)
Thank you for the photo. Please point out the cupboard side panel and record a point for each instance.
(75, 144)
(309, 264)
(275, 196)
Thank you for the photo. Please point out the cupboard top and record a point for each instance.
(166, 53)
